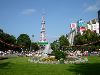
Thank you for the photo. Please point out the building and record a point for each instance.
(72, 33)
(93, 25)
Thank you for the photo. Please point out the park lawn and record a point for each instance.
(21, 66)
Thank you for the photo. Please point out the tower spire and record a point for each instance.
(42, 33)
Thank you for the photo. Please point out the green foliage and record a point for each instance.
(24, 40)
(63, 42)
(34, 46)
(88, 36)
(8, 39)
(78, 40)
(55, 45)
(59, 54)
(1, 31)
(60, 44)
(11, 39)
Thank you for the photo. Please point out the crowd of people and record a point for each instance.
(31, 53)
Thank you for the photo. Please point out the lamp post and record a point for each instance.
(31, 43)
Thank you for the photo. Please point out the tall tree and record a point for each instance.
(24, 40)
(63, 42)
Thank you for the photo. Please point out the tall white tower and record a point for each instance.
(44, 46)
(43, 40)
(42, 33)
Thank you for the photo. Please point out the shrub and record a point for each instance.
(59, 54)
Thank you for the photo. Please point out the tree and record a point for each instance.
(7, 41)
(79, 39)
(90, 36)
(60, 44)
(87, 37)
(63, 42)
(1, 31)
(34, 46)
(55, 45)
(89, 40)
(11, 39)
(24, 40)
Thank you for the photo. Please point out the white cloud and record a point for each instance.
(93, 7)
(28, 11)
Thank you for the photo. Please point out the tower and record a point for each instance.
(43, 40)
(42, 33)
(44, 45)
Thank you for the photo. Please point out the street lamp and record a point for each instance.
(31, 43)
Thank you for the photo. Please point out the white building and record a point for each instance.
(93, 25)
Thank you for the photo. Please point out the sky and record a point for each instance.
(24, 16)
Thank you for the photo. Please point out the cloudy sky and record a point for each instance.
(24, 16)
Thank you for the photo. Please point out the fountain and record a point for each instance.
(46, 51)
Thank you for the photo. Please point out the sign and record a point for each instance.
(42, 43)
(82, 29)
(73, 26)
(81, 23)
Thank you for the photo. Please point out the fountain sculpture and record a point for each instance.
(46, 51)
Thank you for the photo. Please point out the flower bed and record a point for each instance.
(50, 60)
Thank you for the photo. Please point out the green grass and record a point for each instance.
(21, 66)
